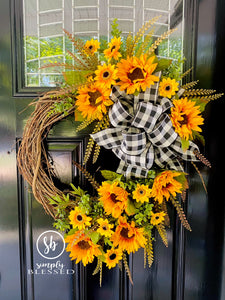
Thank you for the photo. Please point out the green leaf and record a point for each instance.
(131, 209)
(138, 204)
(136, 93)
(94, 236)
(78, 116)
(110, 175)
(115, 32)
(76, 77)
(183, 180)
(163, 64)
(184, 144)
(198, 136)
(200, 103)
(151, 174)
(72, 231)
(77, 191)
(108, 242)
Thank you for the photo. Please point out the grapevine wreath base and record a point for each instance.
(140, 110)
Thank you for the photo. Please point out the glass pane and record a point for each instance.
(45, 41)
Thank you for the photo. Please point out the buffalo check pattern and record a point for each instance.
(142, 134)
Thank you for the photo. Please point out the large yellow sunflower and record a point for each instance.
(128, 237)
(168, 87)
(78, 219)
(157, 218)
(113, 50)
(81, 248)
(112, 257)
(113, 197)
(105, 228)
(92, 46)
(165, 185)
(141, 193)
(106, 75)
(185, 117)
(135, 74)
(92, 101)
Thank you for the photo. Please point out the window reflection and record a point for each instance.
(44, 21)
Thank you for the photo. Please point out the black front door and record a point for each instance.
(191, 268)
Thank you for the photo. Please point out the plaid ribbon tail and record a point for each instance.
(128, 170)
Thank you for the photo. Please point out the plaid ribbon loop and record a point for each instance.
(143, 133)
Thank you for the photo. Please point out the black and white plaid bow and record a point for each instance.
(143, 133)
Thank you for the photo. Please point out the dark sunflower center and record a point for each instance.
(168, 88)
(113, 197)
(157, 217)
(93, 97)
(113, 47)
(106, 74)
(104, 227)
(124, 233)
(79, 218)
(84, 245)
(184, 121)
(168, 185)
(135, 75)
(112, 256)
(141, 192)
(90, 47)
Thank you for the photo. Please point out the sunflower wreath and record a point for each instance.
(142, 113)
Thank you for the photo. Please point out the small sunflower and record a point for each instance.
(185, 117)
(92, 101)
(92, 46)
(78, 219)
(81, 248)
(113, 50)
(105, 227)
(128, 237)
(106, 75)
(112, 257)
(165, 185)
(168, 87)
(113, 197)
(141, 193)
(157, 218)
(135, 74)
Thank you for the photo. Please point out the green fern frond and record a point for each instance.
(180, 213)
(210, 97)
(159, 40)
(186, 73)
(145, 27)
(198, 92)
(59, 64)
(162, 232)
(144, 46)
(84, 124)
(96, 153)
(97, 268)
(202, 158)
(129, 45)
(88, 176)
(88, 150)
(127, 269)
(149, 251)
(189, 85)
